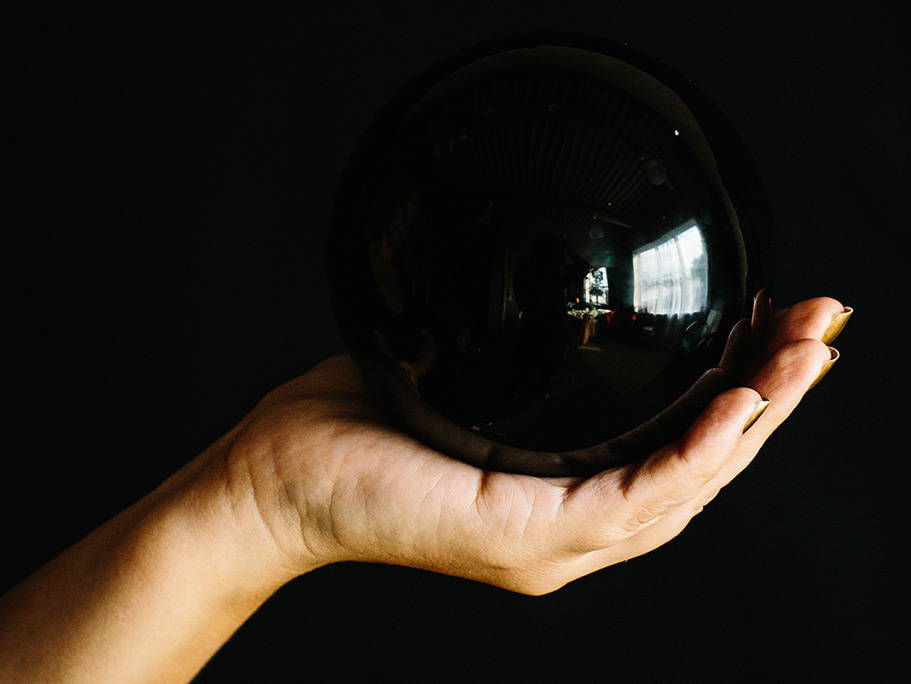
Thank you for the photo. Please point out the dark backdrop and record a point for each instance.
(180, 177)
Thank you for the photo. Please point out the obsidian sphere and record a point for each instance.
(538, 250)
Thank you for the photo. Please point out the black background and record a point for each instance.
(181, 170)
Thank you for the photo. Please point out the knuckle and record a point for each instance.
(693, 468)
(705, 501)
(643, 516)
(698, 469)
(646, 511)
(599, 538)
(711, 497)
(600, 532)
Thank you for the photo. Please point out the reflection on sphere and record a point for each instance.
(537, 250)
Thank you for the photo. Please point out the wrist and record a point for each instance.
(223, 532)
(150, 595)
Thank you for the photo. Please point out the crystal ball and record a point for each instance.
(538, 250)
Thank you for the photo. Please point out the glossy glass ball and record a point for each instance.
(538, 251)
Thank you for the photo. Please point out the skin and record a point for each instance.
(313, 476)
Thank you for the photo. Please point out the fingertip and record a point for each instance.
(733, 404)
(808, 352)
(757, 414)
(809, 318)
(827, 366)
(827, 303)
(791, 371)
(721, 423)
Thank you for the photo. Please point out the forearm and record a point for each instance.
(149, 596)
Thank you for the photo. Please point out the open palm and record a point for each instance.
(333, 481)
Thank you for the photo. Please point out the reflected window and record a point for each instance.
(594, 290)
(670, 275)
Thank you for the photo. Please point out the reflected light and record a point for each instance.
(595, 286)
(670, 275)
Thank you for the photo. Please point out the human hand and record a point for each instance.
(313, 475)
(331, 481)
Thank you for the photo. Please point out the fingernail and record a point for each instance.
(825, 369)
(839, 321)
(762, 309)
(758, 411)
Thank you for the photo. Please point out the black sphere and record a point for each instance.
(538, 251)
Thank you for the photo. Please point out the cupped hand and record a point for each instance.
(330, 481)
